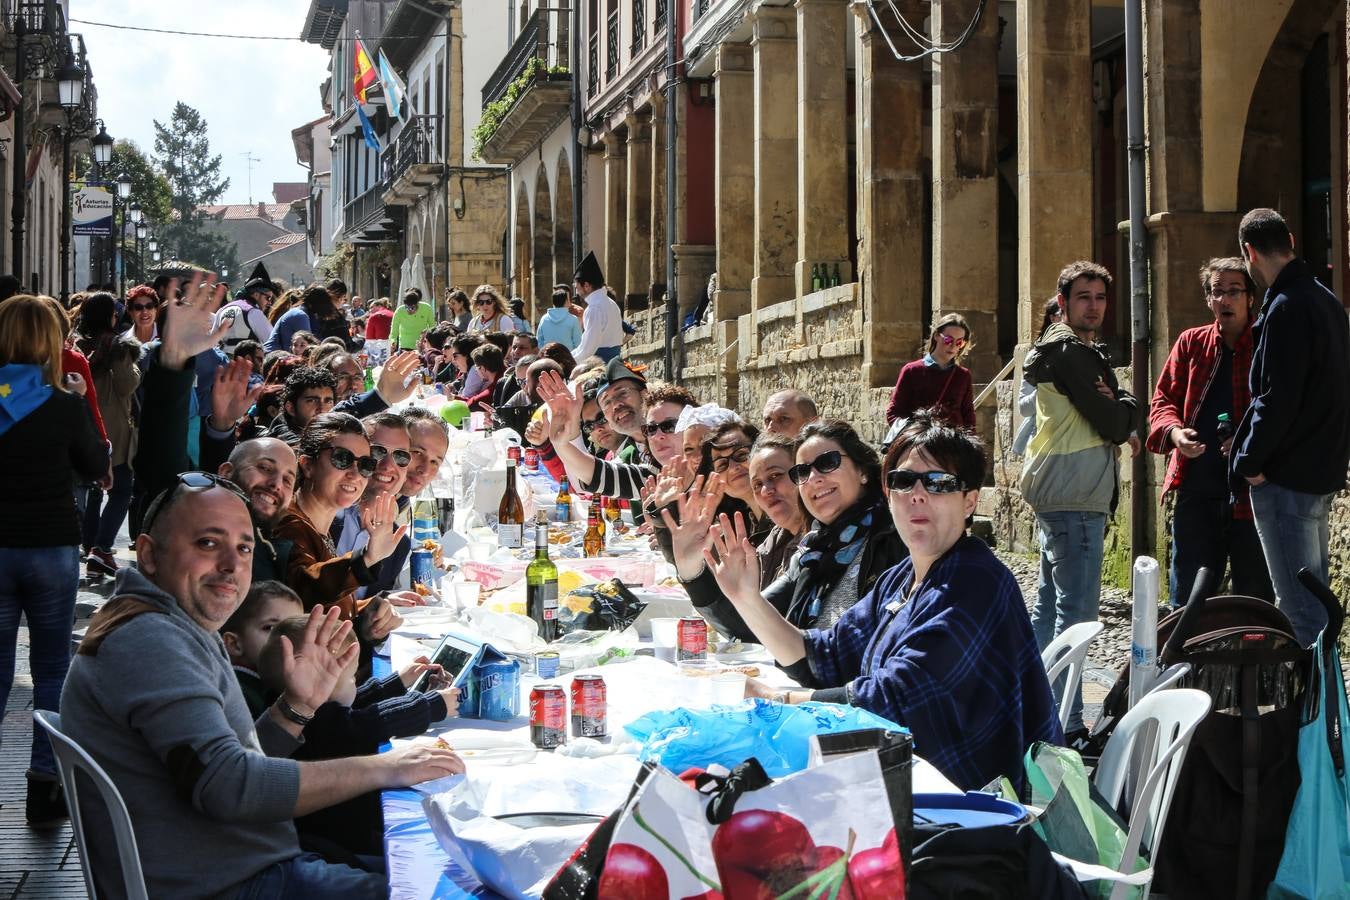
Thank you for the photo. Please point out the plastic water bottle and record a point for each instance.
(425, 522)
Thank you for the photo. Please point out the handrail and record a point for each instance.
(992, 386)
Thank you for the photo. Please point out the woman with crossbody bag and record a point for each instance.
(938, 380)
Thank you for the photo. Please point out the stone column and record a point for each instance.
(735, 180)
(965, 178)
(891, 212)
(657, 253)
(616, 213)
(822, 160)
(775, 131)
(638, 265)
(1054, 147)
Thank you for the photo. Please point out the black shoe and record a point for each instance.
(46, 806)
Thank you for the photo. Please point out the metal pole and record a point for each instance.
(673, 12)
(578, 151)
(1139, 302)
(122, 255)
(20, 151)
(65, 214)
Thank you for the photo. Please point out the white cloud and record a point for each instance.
(251, 93)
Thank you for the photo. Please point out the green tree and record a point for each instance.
(150, 190)
(183, 156)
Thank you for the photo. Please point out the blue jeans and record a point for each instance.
(40, 583)
(608, 353)
(101, 526)
(1294, 535)
(308, 877)
(1205, 535)
(1069, 589)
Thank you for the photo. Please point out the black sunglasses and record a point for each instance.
(665, 426)
(141, 307)
(401, 457)
(484, 303)
(343, 459)
(591, 424)
(825, 463)
(903, 480)
(196, 481)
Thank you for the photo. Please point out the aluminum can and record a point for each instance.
(548, 716)
(422, 568)
(590, 707)
(492, 691)
(531, 459)
(546, 663)
(691, 638)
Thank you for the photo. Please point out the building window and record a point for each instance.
(612, 57)
(639, 26)
(593, 67)
(662, 7)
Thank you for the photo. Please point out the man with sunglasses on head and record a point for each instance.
(152, 696)
(1205, 379)
(1070, 475)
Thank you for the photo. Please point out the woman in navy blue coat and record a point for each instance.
(942, 644)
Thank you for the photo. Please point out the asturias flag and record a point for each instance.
(365, 73)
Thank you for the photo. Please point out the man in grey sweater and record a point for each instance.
(152, 697)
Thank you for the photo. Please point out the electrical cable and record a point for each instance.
(927, 46)
(232, 37)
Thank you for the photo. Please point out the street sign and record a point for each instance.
(91, 208)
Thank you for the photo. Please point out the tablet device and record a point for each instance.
(454, 654)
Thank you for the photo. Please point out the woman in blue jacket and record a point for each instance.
(942, 644)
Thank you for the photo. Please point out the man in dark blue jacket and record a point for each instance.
(1293, 445)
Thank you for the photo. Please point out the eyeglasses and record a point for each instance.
(487, 301)
(1231, 293)
(343, 459)
(196, 481)
(740, 456)
(665, 426)
(948, 340)
(401, 457)
(591, 424)
(825, 463)
(903, 480)
(141, 307)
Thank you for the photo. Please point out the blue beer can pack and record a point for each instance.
(422, 568)
(492, 691)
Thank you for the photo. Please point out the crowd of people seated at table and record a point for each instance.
(226, 687)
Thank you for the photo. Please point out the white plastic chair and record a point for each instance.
(71, 759)
(1069, 652)
(1159, 728)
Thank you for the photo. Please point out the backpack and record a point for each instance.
(233, 327)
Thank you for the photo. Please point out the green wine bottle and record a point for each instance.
(541, 583)
(817, 281)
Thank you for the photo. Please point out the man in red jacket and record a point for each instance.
(1206, 378)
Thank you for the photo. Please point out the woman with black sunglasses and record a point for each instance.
(942, 644)
(335, 467)
(852, 540)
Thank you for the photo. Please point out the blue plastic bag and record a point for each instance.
(1316, 860)
(775, 734)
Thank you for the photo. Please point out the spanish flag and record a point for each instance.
(365, 73)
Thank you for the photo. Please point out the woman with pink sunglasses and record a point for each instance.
(938, 380)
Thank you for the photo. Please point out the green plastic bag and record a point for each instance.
(1075, 820)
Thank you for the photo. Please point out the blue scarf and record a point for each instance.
(22, 390)
(826, 551)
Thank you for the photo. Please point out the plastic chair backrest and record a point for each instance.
(1069, 652)
(1155, 734)
(71, 758)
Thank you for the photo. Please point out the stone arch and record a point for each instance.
(564, 255)
(435, 252)
(542, 243)
(522, 258)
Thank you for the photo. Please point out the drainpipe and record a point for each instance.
(672, 141)
(1139, 305)
(578, 151)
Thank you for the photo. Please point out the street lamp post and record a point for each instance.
(123, 194)
(28, 54)
(102, 146)
(70, 91)
(141, 231)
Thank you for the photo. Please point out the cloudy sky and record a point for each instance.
(251, 92)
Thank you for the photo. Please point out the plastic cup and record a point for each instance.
(728, 687)
(466, 594)
(663, 638)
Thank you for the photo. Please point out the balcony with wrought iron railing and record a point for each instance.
(544, 36)
(367, 219)
(413, 165)
(531, 91)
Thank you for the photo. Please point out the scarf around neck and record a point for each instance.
(826, 551)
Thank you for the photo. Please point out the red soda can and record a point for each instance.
(531, 459)
(548, 716)
(513, 452)
(691, 638)
(590, 707)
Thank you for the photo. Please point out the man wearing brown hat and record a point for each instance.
(602, 323)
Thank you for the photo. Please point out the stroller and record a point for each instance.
(1230, 810)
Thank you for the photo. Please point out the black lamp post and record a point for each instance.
(141, 231)
(70, 91)
(120, 252)
(33, 49)
(102, 146)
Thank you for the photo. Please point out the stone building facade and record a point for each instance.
(963, 182)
